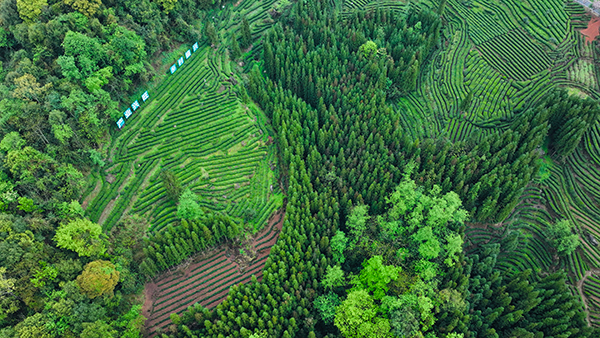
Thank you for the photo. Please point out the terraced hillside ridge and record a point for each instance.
(505, 61)
(508, 54)
(206, 278)
(196, 127)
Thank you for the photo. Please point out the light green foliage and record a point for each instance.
(334, 277)
(375, 276)
(452, 300)
(28, 88)
(326, 305)
(85, 7)
(126, 52)
(167, 5)
(188, 207)
(99, 79)
(29, 10)
(70, 210)
(131, 322)
(98, 329)
(357, 223)
(47, 272)
(368, 49)
(338, 243)
(96, 158)
(68, 67)
(34, 327)
(27, 205)
(404, 314)
(98, 278)
(82, 236)
(391, 230)
(62, 132)
(12, 141)
(259, 334)
(426, 269)
(453, 246)
(87, 50)
(429, 247)
(455, 335)
(424, 217)
(562, 237)
(357, 317)
(175, 318)
(8, 302)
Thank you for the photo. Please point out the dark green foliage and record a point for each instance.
(246, 34)
(171, 184)
(236, 52)
(174, 244)
(326, 305)
(211, 33)
(466, 102)
(569, 117)
(518, 304)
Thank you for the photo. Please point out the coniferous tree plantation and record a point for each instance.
(299, 168)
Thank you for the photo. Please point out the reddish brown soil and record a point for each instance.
(592, 30)
(199, 282)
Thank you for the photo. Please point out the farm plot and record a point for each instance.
(197, 128)
(207, 279)
(506, 54)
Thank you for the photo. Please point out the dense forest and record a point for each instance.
(375, 239)
(66, 69)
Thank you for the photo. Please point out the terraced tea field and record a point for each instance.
(507, 54)
(194, 125)
(199, 124)
(207, 279)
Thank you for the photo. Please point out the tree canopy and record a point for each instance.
(82, 236)
(98, 278)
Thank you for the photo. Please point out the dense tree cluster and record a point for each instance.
(176, 243)
(570, 116)
(350, 260)
(46, 291)
(372, 240)
(66, 69)
(521, 305)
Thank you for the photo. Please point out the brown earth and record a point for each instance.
(197, 280)
(592, 30)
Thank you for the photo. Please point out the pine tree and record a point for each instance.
(246, 34)
(211, 33)
(236, 52)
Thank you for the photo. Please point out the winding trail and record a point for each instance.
(581, 293)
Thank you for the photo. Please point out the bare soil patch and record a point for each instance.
(206, 278)
(592, 30)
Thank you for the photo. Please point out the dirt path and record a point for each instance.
(142, 187)
(582, 295)
(93, 195)
(196, 281)
(109, 207)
